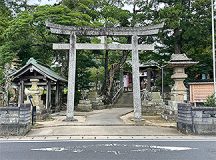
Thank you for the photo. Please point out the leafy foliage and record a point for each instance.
(187, 30)
(210, 101)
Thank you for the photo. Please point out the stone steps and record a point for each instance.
(125, 101)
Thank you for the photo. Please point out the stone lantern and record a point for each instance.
(36, 93)
(179, 92)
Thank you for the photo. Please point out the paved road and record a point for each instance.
(108, 116)
(108, 150)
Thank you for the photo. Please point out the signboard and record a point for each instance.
(199, 91)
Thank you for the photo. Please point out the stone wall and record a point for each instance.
(15, 120)
(196, 120)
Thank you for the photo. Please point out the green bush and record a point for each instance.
(210, 101)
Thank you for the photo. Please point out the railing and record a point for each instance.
(146, 95)
(117, 90)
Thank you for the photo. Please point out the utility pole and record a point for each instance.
(162, 82)
(213, 47)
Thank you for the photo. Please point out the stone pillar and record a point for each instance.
(21, 92)
(178, 91)
(71, 79)
(136, 80)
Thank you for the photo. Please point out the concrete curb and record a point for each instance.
(124, 138)
(104, 125)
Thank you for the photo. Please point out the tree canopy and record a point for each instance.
(187, 30)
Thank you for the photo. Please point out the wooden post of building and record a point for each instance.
(57, 97)
(49, 88)
(148, 79)
(48, 95)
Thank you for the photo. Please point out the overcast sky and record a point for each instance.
(42, 2)
(51, 2)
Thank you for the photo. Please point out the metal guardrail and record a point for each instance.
(146, 95)
(117, 91)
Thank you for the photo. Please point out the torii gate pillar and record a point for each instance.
(136, 80)
(71, 79)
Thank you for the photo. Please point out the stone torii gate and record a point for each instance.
(123, 31)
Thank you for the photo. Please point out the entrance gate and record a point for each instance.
(124, 31)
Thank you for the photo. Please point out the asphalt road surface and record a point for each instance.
(108, 150)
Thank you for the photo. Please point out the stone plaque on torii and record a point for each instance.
(119, 31)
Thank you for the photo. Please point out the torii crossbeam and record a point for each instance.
(121, 31)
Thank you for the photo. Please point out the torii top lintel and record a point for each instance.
(113, 31)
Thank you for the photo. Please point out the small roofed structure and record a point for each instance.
(181, 60)
(39, 77)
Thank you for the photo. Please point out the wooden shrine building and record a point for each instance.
(46, 78)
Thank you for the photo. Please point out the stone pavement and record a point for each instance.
(105, 122)
(104, 131)
(108, 117)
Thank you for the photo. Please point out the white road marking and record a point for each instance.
(77, 150)
(115, 152)
(117, 148)
(53, 149)
(173, 148)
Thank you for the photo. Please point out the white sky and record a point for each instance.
(51, 2)
(42, 2)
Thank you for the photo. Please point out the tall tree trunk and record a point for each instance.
(107, 89)
(177, 44)
(108, 82)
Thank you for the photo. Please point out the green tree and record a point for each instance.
(187, 30)
(26, 36)
(105, 14)
(5, 56)
(113, 16)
